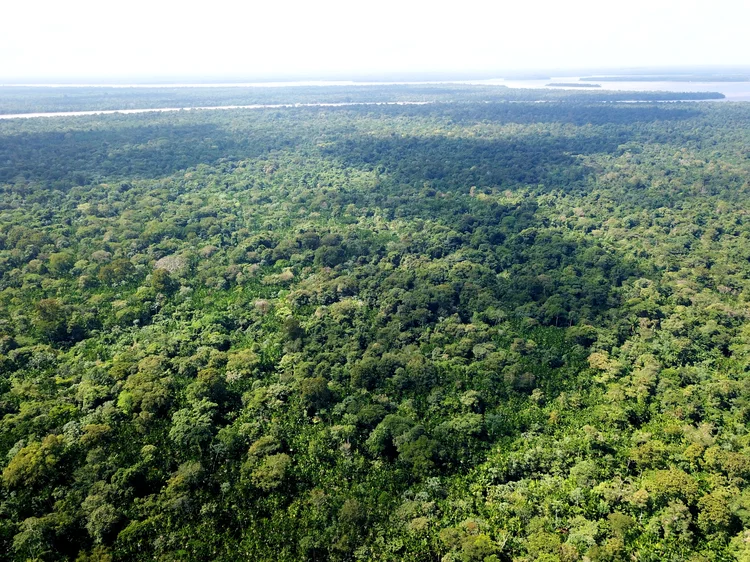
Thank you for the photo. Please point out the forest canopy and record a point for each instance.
(469, 330)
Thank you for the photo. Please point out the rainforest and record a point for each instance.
(503, 325)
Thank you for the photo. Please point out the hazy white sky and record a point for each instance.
(100, 38)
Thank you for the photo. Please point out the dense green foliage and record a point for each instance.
(459, 332)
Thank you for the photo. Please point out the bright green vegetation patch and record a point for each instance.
(460, 332)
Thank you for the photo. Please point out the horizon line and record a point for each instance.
(366, 76)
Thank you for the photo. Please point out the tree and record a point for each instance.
(271, 472)
(162, 282)
(192, 427)
(35, 463)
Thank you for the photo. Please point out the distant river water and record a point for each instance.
(734, 91)
(167, 109)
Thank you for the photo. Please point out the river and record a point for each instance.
(205, 108)
(734, 91)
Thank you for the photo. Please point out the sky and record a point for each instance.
(114, 39)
